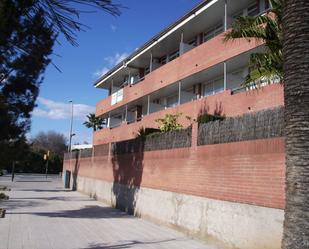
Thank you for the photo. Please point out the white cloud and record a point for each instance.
(101, 72)
(117, 58)
(59, 110)
(113, 27)
(111, 62)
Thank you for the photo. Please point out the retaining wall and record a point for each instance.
(230, 192)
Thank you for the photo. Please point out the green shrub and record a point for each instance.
(169, 122)
(205, 118)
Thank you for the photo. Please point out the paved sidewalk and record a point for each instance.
(42, 215)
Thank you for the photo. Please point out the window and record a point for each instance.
(117, 96)
(267, 5)
(208, 89)
(218, 85)
(147, 70)
(163, 60)
(134, 79)
(214, 31)
(173, 55)
(193, 42)
(237, 14)
(214, 86)
(172, 101)
(156, 101)
(253, 9)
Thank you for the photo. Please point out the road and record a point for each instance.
(43, 215)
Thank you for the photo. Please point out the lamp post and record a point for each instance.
(70, 138)
(71, 127)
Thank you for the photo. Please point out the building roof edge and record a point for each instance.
(151, 42)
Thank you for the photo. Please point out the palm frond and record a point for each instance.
(266, 65)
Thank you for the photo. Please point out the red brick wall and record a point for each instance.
(250, 172)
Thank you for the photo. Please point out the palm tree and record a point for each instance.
(96, 123)
(266, 65)
(296, 96)
(285, 32)
(63, 15)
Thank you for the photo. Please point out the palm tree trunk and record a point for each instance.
(296, 94)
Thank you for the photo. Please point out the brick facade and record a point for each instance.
(250, 172)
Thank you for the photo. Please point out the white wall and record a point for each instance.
(230, 224)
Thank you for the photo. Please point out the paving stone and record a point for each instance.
(43, 215)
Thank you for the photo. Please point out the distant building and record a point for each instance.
(81, 146)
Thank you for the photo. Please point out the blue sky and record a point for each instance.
(109, 40)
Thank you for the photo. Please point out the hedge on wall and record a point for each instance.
(101, 150)
(259, 125)
(156, 141)
(78, 154)
(85, 153)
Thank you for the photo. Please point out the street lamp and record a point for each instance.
(71, 127)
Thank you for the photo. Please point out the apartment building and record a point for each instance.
(179, 70)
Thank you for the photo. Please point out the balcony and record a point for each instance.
(226, 102)
(213, 52)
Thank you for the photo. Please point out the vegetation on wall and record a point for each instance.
(206, 118)
(169, 122)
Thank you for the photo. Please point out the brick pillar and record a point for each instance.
(194, 135)
(109, 157)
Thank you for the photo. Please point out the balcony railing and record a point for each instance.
(192, 62)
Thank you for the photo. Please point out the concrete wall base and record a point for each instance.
(235, 225)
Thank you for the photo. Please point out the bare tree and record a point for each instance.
(51, 140)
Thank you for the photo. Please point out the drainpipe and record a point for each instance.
(112, 86)
(109, 120)
(179, 92)
(225, 15)
(225, 76)
(126, 114)
(148, 104)
(150, 66)
(181, 46)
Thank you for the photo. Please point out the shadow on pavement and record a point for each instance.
(49, 198)
(33, 181)
(88, 212)
(12, 204)
(44, 190)
(126, 244)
